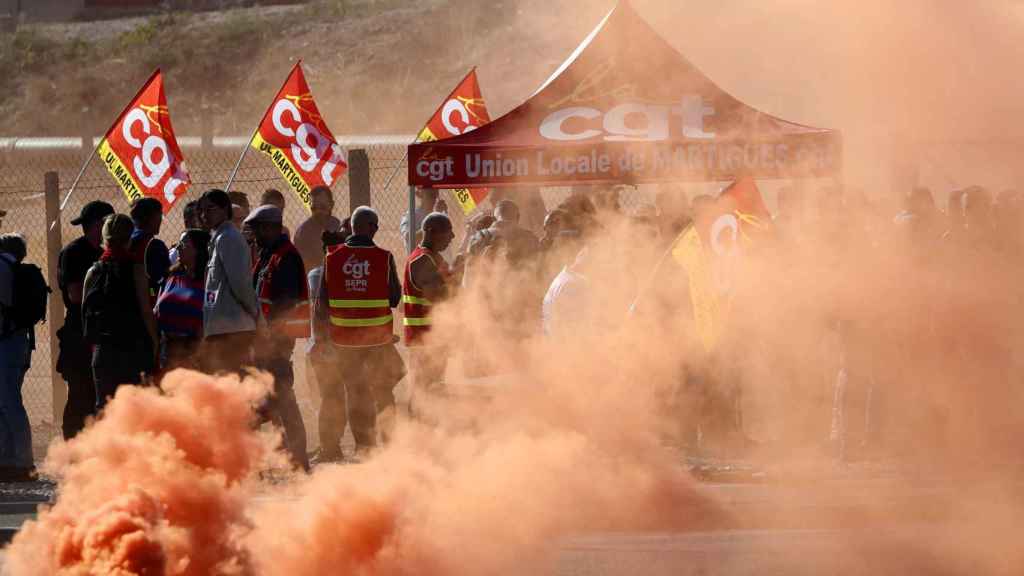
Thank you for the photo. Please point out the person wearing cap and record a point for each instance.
(147, 250)
(116, 315)
(74, 359)
(354, 313)
(279, 279)
(230, 310)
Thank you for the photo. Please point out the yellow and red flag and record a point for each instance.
(708, 248)
(140, 149)
(295, 136)
(462, 111)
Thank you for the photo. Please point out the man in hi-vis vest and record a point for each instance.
(428, 281)
(360, 288)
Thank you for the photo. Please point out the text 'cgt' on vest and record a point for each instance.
(357, 292)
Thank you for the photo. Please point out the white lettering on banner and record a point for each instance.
(618, 128)
(436, 169)
(592, 163)
(356, 285)
(337, 157)
(655, 128)
(355, 267)
(730, 226)
(310, 145)
(551, 127)
(153, 161)
(455, 106)
(284, 105)
(497, 167)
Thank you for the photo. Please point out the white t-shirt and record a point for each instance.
(565, 304)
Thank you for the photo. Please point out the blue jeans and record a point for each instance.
(15, 431)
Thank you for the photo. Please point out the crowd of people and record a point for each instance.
(238, 289)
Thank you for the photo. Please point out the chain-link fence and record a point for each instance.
(23, 164)
(22, 195)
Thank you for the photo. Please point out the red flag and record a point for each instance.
(140, 149)
(462, 111)
(708, 250)
(295, 136)
(736, 218)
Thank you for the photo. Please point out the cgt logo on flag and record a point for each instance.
(140, 150)
(464, 110)
(708, 250)
(295, 136)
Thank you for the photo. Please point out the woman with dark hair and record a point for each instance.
(179, 308)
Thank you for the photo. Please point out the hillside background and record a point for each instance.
(930, 85)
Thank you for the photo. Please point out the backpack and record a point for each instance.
(108, 304)
(30, 297)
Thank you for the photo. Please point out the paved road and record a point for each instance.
(776, 529)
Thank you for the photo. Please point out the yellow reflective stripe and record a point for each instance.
(415, 300)
(416, 321)
(266, 301)
(360, 322)
(360, 304)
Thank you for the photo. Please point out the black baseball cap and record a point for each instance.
(93, 211)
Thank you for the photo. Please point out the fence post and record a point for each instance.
(358, 179)
(56, 312)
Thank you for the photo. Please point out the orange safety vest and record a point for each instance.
(415, 304)
(358, 281)
(295, 323)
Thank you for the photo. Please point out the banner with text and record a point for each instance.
(296, 138)
(789, 156)
(462, 111)
(709, 250)
(140, 150)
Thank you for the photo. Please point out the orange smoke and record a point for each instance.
(157, 486)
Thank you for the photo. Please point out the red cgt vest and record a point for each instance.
(295, 323)
(415, 305)
(357, 292)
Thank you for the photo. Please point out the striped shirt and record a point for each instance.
(179, 309)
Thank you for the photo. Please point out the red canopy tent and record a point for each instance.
(626, 108)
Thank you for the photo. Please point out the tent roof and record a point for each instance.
(625, 94)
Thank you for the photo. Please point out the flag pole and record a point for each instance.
(405, 158)
(74, 184)
(654, 273)
(238, 164)
(411, 228)
(96, 148)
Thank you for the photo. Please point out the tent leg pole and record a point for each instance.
(411, 241)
